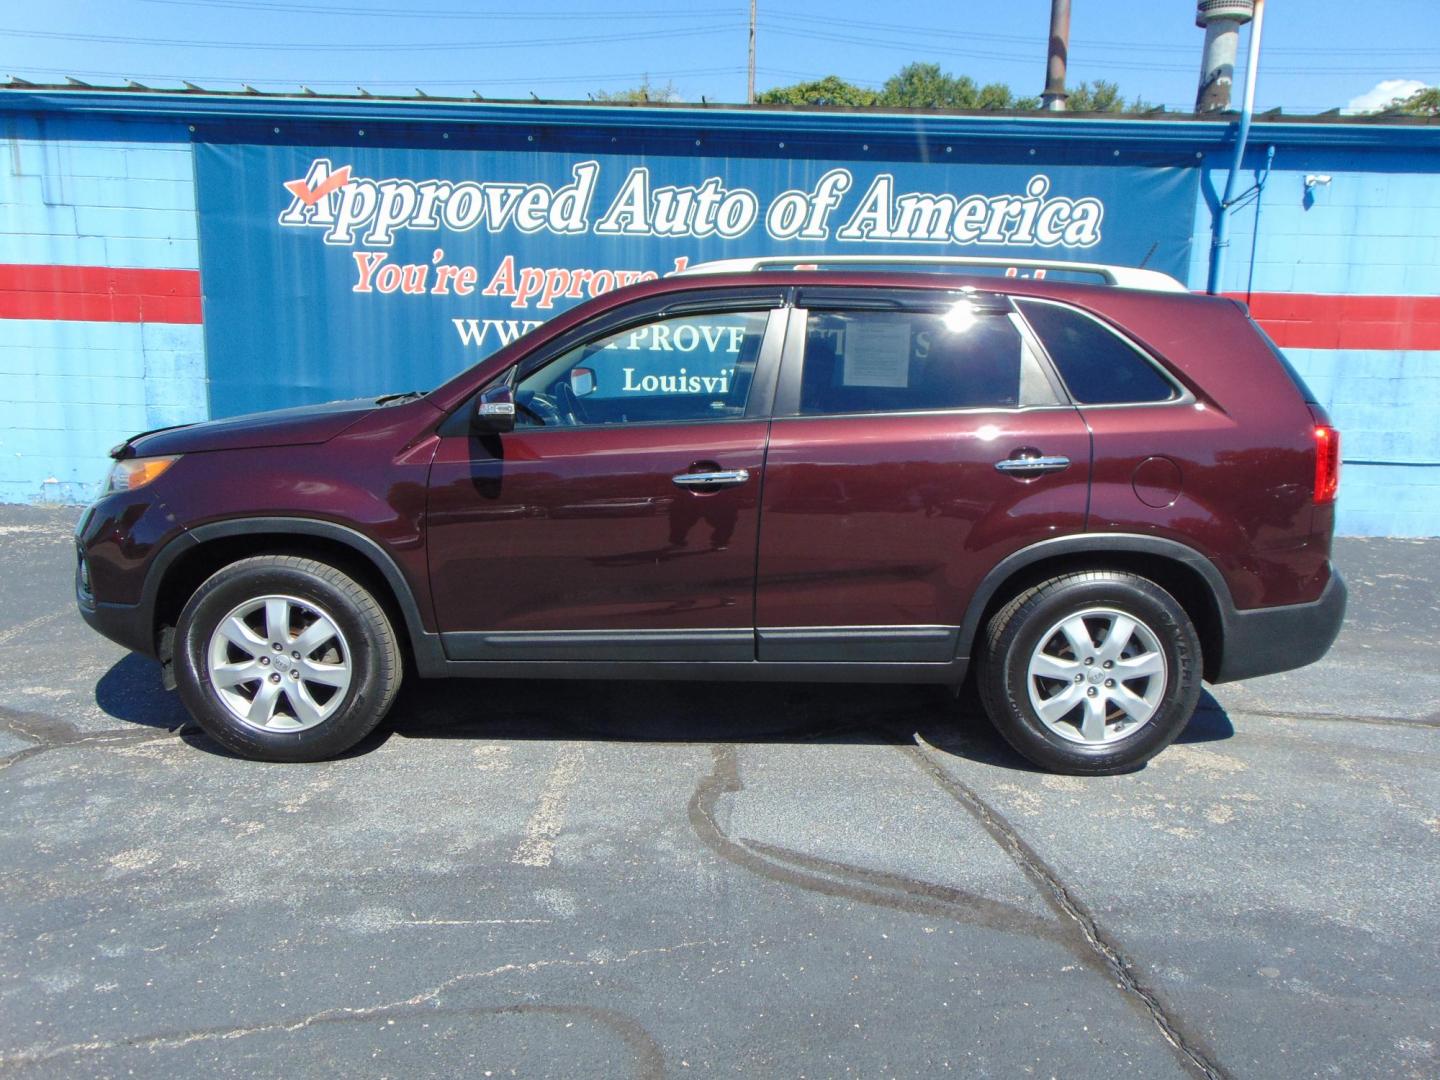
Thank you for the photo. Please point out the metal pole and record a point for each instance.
(1220, 240)
(750, 84)
(1054, 97)
(1217, 66)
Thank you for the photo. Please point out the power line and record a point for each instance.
(929, 47)
(524, 81)
(414, 13)
(1076, 44)
(310, 46)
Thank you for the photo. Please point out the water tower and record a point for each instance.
(1221, 20)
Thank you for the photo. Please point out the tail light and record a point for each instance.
(1327, 464)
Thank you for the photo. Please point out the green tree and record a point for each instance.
(1103, 97)
(999, 96)
(646, 91)
(1097, 96)
(926, 86)
(831, 90)
(1421, 103)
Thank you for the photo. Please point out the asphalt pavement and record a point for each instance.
(613, 880)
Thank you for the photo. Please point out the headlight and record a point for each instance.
(135, 473)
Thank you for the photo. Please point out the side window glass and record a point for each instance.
(694, 367)
(1099, 367)
(904, 361)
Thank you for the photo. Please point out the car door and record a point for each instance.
(618, 521)
(918, 439)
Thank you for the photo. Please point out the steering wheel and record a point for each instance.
(542, 408)
(569, 403)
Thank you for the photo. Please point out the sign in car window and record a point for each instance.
(695, 367)
(342, 268)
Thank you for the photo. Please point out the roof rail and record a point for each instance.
(1125, 277)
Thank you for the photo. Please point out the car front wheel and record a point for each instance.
(1091, 673)
(283, 658)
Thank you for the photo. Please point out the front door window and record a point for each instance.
(676, 370)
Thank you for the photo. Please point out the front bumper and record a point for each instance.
(124, 624)
(116, 540)
(1266, 640)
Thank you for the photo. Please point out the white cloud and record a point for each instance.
(1383, 94)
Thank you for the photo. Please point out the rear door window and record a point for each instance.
(1099, 366)
(911, 361)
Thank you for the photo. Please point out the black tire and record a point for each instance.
(374, 657)
(1014, 634)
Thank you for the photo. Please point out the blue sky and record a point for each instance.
(1317, 54)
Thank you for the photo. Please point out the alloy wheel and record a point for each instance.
(279, 663)
(1097, 676)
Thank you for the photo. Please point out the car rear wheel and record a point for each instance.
(1091, 673)
(283, 658)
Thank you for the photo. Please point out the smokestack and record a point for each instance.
(1221, 20)
(1054, 97)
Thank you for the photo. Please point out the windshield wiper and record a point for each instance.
(394, 399)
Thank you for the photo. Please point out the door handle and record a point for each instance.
(1043, 463)
(728, 478)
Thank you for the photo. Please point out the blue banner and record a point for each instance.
(344, 271)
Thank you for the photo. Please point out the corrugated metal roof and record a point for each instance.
(1156, 130)
(190, 89)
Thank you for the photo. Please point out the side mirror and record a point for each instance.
(582, 381)
(495, 412)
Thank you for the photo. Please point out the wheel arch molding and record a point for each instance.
(1186, 573)
(181, 565)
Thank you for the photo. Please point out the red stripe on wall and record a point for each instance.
(111, 294)
(99, 294)
(1310, 321)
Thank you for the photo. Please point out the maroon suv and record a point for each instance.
(1090, 497)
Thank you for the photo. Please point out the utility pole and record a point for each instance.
(1054, 97)
(750, 83)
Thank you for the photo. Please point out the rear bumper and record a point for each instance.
(1267, 640)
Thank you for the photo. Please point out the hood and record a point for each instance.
(307, 424)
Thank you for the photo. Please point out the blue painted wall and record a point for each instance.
(1374, 230)
(90, 192)
(108, 180)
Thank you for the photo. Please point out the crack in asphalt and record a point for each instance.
(1084, 939)
(1344, 718)
(649, 1055)
(842, 879)
(1186, 1045)
(47, 733)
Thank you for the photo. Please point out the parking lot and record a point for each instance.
(579, 879)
